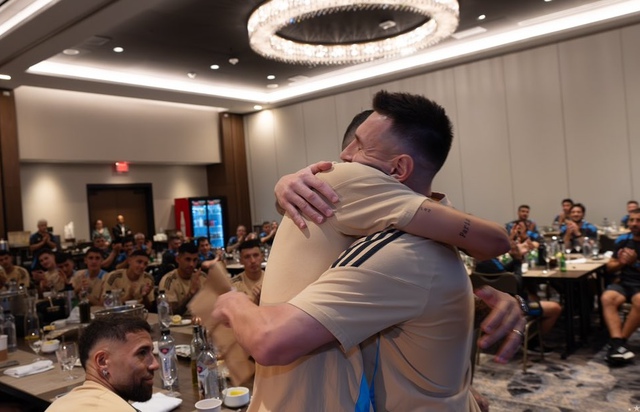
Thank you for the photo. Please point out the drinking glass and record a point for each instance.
(169, 376)
(67, 355)
(33, 333)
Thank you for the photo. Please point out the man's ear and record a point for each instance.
(101, 358)
(403, 167)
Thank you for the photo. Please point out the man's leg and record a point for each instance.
(612, 298)
(633, 319)
(550, 313)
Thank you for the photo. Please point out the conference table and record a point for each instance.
(573, 285)
(39, 390)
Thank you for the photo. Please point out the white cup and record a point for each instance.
(209, 405)
(4, 353)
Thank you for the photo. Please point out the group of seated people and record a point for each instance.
(265, 236)
(622, 271)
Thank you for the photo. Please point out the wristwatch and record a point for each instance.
(523, 304)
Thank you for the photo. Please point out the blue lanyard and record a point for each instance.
(366, 398)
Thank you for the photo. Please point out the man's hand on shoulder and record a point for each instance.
(301, 194)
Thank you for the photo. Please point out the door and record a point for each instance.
(133, 201)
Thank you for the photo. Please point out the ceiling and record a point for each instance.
(163, 40)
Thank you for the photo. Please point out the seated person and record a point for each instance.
(523, 230)
(181, 284)
(626, 288)
(140, 242)
(206, 256)
(268, 232)
(48, 278)
(100, 230)
(173, 245)
(122, 260)
(234, 241)
(576, 229)
(109, 251)
(116, 353)
(134, 281)
(88, 282)
(548, 311)
(563, 217)
(250, 280)
(12, 272)
(631, 205)
(66, 267)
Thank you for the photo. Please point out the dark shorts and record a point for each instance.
(628, 291)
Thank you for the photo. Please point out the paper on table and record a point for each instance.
(31, 369)
(576, 261)
(159, 402)
(236, 359)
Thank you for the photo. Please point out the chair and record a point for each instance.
(508, 282)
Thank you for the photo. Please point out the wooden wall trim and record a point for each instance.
(10, 192)
(230, 178)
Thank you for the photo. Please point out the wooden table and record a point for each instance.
(574, 283)
(41, 389)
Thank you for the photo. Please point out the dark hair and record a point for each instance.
(350, 133)
(4, 252)
(127, 239)
(46, 252)
(419, 123)
(113, 327)
(93, 249)
(634, 211)
(567, 200)
(249, 244)
(524, 207)
(174, 237)
(62, 257)
(187, 248)
(138, 252)
(200, 239)
(581, 206)
(632, 201)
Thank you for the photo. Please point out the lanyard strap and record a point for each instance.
(366, 397)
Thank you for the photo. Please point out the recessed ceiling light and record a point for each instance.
(192, 75)
(5, 77)
(71, 52)
(257, 107)
(214, 67)
(482, 17)
(386, 25)
(271, 77)
(118, 49)
(272, 86)
(548, 1)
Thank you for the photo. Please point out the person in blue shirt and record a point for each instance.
(625, 288)
(576, 229)
(631, 205)
(560, 219)
(523, 230)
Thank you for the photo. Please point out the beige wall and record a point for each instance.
(531, 127)
(103, 128)
(58, 192)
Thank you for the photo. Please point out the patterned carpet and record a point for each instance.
(582, 383)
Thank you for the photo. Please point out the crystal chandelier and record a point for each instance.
(272, 16)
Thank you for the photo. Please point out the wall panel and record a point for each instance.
(631, 61)
(536, 129)
(348, 105)
(484, 144)
(290, 141)
(596, 132)
(320, 130)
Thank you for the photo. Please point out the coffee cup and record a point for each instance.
(4, 353)
(209, 405)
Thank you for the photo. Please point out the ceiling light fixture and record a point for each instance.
(118, 49)
(271, 77)
(5, 77)
(268, 19)
(192, 75)
(257, 107)
(482, 17)
(214, 67)
(71, 52)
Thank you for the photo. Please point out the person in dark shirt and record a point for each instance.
(631, 205)
(576, 228)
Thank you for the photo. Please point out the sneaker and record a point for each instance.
(618, 354)
(536, 350)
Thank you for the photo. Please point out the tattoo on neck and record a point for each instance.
(466, 225)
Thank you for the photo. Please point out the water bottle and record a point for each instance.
(108, 299)
(197, 345)
(10, 331)
(210, 382)
(586, 247)
(168, 360)
(164, 310)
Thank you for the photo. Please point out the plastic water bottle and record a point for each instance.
(168, 359)
(108, 299)
(164, 310)
(197, 345)
(10, 331)
(210, 382)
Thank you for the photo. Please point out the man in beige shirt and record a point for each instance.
(181, 284)
(133, 281)
(12, 272)
(249, 282)
(89, 281)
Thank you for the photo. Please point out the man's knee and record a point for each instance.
(612, 298)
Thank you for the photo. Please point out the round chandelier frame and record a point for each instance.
(268, 19)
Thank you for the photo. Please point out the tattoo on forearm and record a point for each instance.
(425, 209)
(466, 225)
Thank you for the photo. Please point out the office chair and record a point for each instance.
(508, 282)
